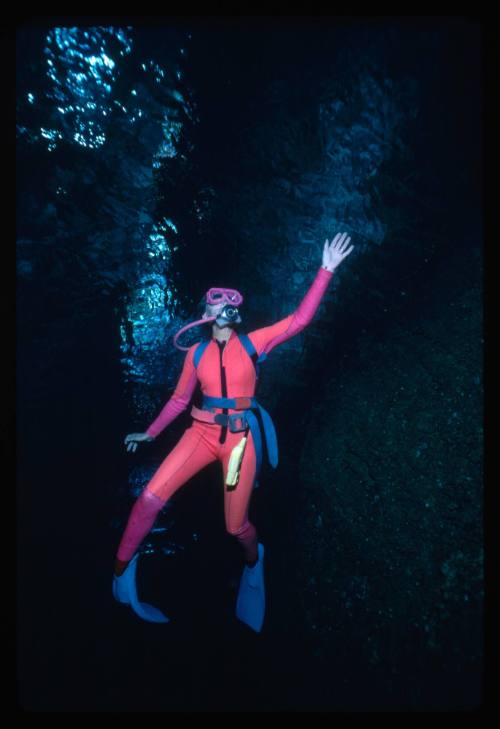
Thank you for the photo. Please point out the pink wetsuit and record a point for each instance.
(224, 364)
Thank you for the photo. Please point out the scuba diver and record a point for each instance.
(226, 428)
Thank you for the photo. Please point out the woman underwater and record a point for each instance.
(225, 428)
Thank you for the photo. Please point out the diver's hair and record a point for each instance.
(206, 331)
(202, 304)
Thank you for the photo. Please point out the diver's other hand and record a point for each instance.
(134, 438)
(335, 252)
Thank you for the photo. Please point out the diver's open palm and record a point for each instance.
(336, 251)
(135, 438)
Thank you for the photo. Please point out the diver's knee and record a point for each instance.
(233, 531)
(241, 530)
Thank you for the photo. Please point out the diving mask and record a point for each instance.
(217, 294)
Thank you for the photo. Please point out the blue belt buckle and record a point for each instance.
(233, 421)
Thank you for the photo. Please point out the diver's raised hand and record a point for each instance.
(335, 252)
(135, 438)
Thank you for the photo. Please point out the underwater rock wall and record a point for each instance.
(390, 494)
(102, 142)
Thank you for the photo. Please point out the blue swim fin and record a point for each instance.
(251, 601)
(124, 590)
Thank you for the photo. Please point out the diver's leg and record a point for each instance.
(251, 600)
(192, 452)
(190, 455)
(236, 502)
(140, 522)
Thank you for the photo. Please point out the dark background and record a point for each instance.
(291, 132)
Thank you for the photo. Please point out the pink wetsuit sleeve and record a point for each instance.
(265, 339)
(180, 397)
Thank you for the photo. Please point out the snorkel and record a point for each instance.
(229, 313)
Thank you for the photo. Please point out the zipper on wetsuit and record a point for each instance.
(223, 432)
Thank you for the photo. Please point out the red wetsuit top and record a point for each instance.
(239, 368)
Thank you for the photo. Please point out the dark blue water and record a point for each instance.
(154, 163)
